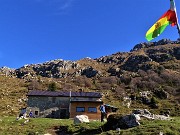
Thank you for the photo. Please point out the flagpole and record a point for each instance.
(178, 27)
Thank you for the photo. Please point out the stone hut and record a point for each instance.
(59, 104)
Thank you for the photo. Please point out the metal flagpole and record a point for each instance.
(178, 30)
(178, 27)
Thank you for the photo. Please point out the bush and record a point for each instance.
(161, 94)
(154, 102)
(52, 86)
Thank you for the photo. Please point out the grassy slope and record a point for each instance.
(9, 125)
(154, 127)
(11, 89)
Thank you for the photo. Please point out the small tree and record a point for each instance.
(154, 102)
(52, 86)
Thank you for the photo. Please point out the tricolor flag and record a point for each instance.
(169, 18)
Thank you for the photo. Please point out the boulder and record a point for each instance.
(115, 121)
(146, 114)
(126, 102)
(81, 119)
(89, 72)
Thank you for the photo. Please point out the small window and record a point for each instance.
(36, 113)
(92, 109)
(80, 109)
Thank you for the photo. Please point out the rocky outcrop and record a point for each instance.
(141, 112)
(115, 121)
(151, 44)
(144, 56)
(114, 58)
(134, 61)
(164, 54)
(89, 72)
(54, 68)
(176, 53)
(144, 113)
(7, 71)
(123, 122)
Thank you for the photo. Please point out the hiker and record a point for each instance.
(31, 114)
(22, 114)
(103, 112)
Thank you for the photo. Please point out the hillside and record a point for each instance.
(150, 68)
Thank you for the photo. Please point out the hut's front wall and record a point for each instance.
(88, 108)
(53, 107)
(58, 107)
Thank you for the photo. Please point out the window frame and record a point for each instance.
(92, 111)
(81, 108)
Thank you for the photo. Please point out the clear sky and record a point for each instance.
(36, 31)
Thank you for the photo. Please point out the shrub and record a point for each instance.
(52, 86)
(161, 94)
(154, 102)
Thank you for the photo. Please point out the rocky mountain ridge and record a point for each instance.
(143, 56)
(148, 77)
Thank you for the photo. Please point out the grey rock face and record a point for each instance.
(133, 61)
(7, 71)
(141, 112)
(150, 44)
(89, 72)
(149, 58)
(54, 68)
(114, 58)
(122, 122)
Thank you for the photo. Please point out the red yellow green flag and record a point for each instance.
(169, 18)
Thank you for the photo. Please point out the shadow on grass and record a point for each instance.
(63, 130)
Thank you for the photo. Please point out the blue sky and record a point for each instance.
(35, 31)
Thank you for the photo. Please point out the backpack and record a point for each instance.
(101, 108)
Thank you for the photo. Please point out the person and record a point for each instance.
(31, 114)
(103, 112)
(22, 114)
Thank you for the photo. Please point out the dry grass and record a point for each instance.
(12, 95)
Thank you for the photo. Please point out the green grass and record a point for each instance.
(152, 127)
(38, 126)
(10, 126)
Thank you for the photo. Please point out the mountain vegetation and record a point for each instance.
(148, 76)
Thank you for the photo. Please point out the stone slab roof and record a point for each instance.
(63, 94)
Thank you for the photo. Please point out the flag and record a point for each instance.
(169, 18)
